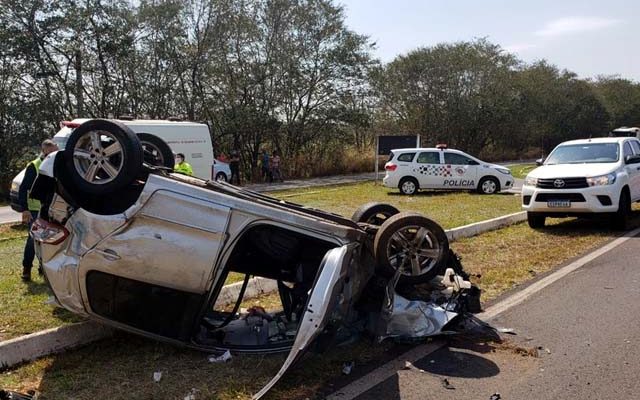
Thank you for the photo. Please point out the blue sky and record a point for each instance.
(586, 37)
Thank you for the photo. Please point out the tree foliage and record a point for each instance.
(287, 75)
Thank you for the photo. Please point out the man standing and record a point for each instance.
(234, 165)
(266, 171)
(30, 207)
(182, 166)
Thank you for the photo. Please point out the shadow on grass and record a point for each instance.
(427, 193)
(37, 288)
(591, 225)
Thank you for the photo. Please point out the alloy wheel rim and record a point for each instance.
(95, 162)
(415, 249)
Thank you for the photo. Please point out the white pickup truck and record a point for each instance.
(584, 178)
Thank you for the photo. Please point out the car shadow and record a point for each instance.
(591, 225)
(426, 193)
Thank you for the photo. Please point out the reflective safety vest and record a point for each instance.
(33, 204)
(183, 168)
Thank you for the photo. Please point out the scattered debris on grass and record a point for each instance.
(347, 367)
(157, 376)
(222, 358)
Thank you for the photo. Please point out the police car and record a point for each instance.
(441, 168)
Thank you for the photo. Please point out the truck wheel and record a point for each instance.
(621, 216)
(374, 213)
(488, 185)
(221, 177)
(102, 156)
(535, 221)
(408, 186)
(156, 151)
(413, 243)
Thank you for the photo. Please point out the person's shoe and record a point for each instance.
(26, 274)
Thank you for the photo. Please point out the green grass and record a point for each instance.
(23, 309)
(449, 209)
(520, 171)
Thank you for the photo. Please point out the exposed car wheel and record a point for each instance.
(535, 221)
(374, 213)
(408, 186)
(413, 243)
(155, 151)
(102, 156)
(488, 185)
(221, 177)
(621, 216)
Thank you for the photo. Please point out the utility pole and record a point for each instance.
(79, 89)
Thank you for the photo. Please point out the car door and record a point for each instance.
(153, 273)
(464, 171)
(429, 169)
(326, 295)
(633, 169)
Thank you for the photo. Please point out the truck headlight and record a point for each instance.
(15, 186)
(530, 181)
(601, 180)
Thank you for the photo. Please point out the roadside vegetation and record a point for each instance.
(449, 209)
(123, 366)
(300, 82)
(521, 171)
(23, 309)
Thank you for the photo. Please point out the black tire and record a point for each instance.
(408, 186)
(387, 246)
(535, 220)
(621, 217)
(374, 213)
(156, 151)
(221, 177)
(488, 185)
(107, 169)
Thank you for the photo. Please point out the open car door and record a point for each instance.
(325, 296)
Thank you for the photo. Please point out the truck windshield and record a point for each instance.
(588, 153)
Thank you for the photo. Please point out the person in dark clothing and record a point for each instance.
(30, 206)
(234, 166)
(266, 170)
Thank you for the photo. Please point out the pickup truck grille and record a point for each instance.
(572, 197)
(569, 183)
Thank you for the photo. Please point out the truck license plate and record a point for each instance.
(559, 203)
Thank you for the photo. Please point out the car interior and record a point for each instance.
(292, 261)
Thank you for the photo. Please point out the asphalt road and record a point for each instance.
(584, 329)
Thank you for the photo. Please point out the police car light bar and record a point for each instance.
(441, 146)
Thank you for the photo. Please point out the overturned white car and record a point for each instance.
(135, 246)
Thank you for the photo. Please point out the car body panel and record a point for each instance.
(327, 292)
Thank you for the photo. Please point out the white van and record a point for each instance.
(190, 138)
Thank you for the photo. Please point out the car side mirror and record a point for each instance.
(633, 159)
(539, 161)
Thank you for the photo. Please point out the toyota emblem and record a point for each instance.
(559, 183)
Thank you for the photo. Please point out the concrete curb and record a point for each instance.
(50, 341)
(486, 226)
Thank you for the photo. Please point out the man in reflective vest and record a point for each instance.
(30, 207)
(182, 166)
